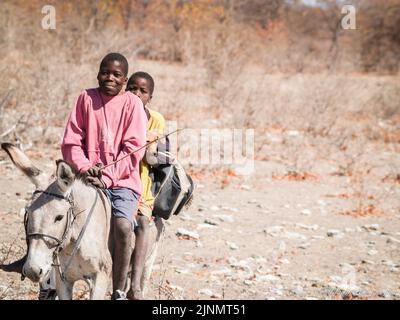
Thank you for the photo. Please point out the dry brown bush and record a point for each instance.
(272, 72)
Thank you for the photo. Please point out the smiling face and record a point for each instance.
(141, 88)
(112, 77)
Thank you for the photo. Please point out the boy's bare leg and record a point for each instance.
(139, 257)
(122, 253)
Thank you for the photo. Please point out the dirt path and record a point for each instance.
(258, 238)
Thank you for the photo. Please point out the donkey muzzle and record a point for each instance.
(32, 271)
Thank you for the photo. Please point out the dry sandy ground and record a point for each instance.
(259, 237)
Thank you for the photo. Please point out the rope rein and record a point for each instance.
(134, 151)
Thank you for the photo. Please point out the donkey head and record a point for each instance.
(47, 214)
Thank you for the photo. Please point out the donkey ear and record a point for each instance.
(65, 175)
(23, 163)
(59, 161)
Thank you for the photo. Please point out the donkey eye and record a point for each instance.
(58, 218)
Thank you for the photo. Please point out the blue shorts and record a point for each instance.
(124, 203)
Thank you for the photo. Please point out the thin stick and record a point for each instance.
(147, 144)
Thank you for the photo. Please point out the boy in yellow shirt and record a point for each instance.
(142, 85)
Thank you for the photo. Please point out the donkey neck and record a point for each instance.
(84, 198)
(82, 193)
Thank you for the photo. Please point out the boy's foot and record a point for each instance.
(135, 295)
(15, 266)
(119, 295)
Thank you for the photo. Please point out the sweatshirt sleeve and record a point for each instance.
(72, 147)
(133, 138)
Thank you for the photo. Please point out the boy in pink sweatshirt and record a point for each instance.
(105, 125)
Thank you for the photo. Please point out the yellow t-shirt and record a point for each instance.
(156, 123)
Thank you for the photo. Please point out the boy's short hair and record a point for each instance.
(114, 56)
(144, 75)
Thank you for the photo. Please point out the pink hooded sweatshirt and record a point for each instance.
(105, 133)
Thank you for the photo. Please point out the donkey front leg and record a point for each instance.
(151, 257)
(100, 286)
(148, 268)
(64, 288)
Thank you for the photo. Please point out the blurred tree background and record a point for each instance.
(223, 38)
